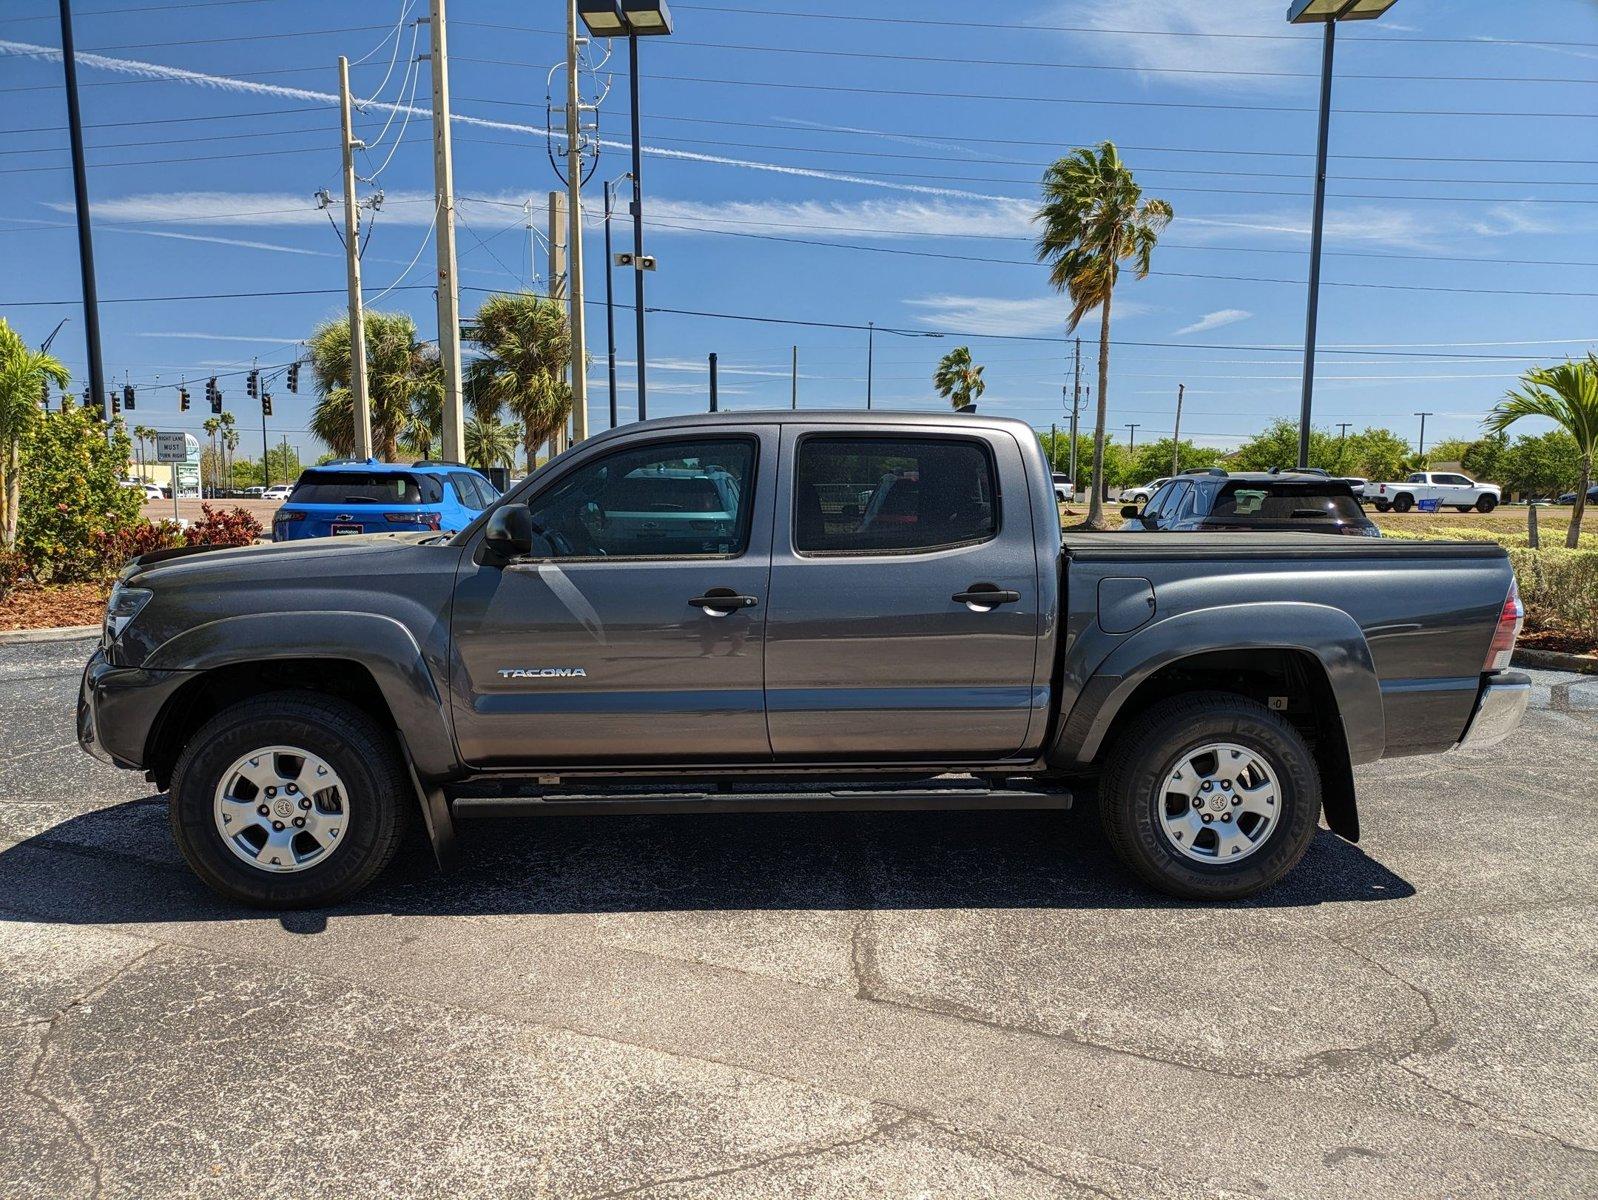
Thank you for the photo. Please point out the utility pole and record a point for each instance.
(1342, 437)
(1423, 416)
(1176, 433)
(1076, 407)
(453, 439)
(713, 407)
(1131, 437)
(352, 255)
(1054, 447)
(557, 282)
(638, 232)
(80, 195)
(795, 386)
(574, 183)
(610, 304)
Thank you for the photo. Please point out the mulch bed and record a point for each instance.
(31, 606)
(1556, 640)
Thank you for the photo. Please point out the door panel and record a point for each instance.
(585, 658)
(868, 655)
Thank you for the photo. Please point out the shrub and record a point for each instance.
(11, 571)
(230, 527)
(1560, 588)
(71, 495)
(114, 548)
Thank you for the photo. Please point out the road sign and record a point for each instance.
(171, 447)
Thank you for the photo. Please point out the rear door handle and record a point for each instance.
(982, 597)
(723, 602)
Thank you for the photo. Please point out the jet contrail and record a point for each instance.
(227, 83)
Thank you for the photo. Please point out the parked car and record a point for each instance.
(1448, 489)
(296, 700)
(254, 493)
(361, 496)
(278, 491)
(1142, 493)
(1215, 500)
(1570, 497)
(1064, 489)
(151, 492)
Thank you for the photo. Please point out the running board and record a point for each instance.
(834, 800)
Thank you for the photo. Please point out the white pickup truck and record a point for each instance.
(1450, 490)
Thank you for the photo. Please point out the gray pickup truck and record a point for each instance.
(763, 611)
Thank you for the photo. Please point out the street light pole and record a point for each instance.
(638, 232)
(610, 300)
(80, 196)
(1327, 13)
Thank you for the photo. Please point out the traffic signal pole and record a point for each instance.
(80, 195)
(453, 439)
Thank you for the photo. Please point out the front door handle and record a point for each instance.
(723, 602)
(984, 597)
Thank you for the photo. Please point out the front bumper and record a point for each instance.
(118, 707)
(1499, 709)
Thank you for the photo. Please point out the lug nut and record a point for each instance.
(1236, 800)
(1206, 818)
(1226, 816)
(1207, 786)
(299, 822)
(278, 825)
(291, 789)
(1226, 785)
(264, 811)
(271, 791)
(305, 802)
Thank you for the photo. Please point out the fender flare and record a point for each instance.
(380, 644)
(1329, 635)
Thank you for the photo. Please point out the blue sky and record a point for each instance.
(915, 143)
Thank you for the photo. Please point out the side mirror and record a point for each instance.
(1130, 512)
(509, 532)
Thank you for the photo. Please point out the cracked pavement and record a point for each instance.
(892, 1005)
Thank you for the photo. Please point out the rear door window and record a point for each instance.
(855, 495)
(365, 487)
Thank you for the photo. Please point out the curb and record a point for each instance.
(58, 633)
(1553, 660)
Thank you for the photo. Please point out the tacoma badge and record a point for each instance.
(542, 673)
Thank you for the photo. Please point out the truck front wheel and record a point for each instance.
(1403, 502)
(1210, 796)
(288, 800)
(1486, 504)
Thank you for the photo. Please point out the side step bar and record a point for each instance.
(919, 799)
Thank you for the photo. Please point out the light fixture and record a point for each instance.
(1313, 12)
(646, 17)
(603, 18)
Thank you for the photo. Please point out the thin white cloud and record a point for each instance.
(1161, 36)
(901, 138)
(228, 83)
(1215, 320)
(1003, 315)
(855, 219)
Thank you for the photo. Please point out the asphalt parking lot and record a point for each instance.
(821, 1006)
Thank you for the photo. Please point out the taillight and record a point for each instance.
(428, 519)
(284, 516)
(1510, 619)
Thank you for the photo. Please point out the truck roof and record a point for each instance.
(830, 416)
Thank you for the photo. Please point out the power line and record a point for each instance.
(144, 8)
(984, 24)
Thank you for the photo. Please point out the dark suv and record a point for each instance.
(1215, 500)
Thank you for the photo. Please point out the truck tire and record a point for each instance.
(1381, 505)
(1210, 796)
(1403, 502)
(289, 800)
(1486, 504)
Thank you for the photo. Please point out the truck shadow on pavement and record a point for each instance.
(118, 865)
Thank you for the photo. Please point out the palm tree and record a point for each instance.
(489, 444)
(230, 443)
(1093, 217)
(143, 434)
(24, 374)
(401, 377)
(1568, 396)
(211, 426)
(958, 381)
(526, 345)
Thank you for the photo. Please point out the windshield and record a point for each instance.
(365, 487)
(1288, 502)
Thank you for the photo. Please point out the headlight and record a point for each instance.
(125, 604)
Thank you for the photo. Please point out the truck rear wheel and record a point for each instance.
(288, 800)
(1403, 502)
(1210, 796)
(1486, 504)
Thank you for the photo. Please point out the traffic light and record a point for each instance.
(294, 377)
(128, 397)
(116, 404)
(183, 399)
(252, 385)
(214, 395)
(44, 392)
(266, 404)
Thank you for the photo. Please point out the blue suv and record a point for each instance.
(368, 496)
